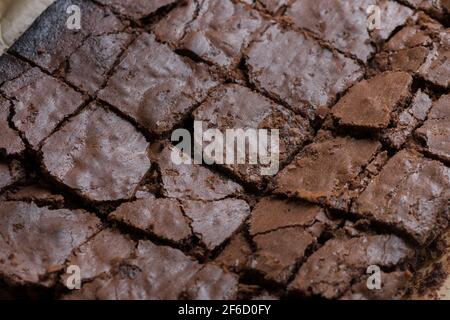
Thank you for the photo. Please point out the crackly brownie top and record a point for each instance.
(36, 241)
(87, 177)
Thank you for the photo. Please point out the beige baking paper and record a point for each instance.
(16, 16)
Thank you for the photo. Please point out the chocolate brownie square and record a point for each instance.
(410, 195)
(88, 67)
(407, 120)
(327, 171)
(136, 9)
(10, 143)
(345, 24)
(215, 31)
(37, 241)
(370, 103)
(237, 107)
(40, 103)
(156, 87)
(335, 270)
(295, 69)
(214, 222)
(49, 41)
(98, 155)
(435, 131)
(161, 273)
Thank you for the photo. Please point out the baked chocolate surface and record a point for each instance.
(87, 177)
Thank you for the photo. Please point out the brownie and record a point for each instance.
(407, 120)
(98, 155)
(158, 92)
(158, 272)
(211, 283)
(273, 6)
(49, 42)
(99, 255)
(11, 67)
(136, 9)
(237, 107)
(190, 181)
(36, 241)
(216, 221)
(435, 131)
(11, 143)
(37, 194)
(305, 82)
(410, 195)
(334, 271)
(215, 31)
(40, 103)
(90, 64)
(422, 47)
(438, 8)
(10, 174)
(327, 171)
(274, 225)
(163, 218)
(345, 23)
(369, 104)
(235, 255)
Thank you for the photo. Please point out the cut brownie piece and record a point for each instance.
(438, 8)
(49, 41)
(304, 81)
(159, 91)
(10, 174)
(411, 195)
(277, 224)
(190, 181)
(40, 103)
(435, 132)
(436, 68)
(10, 143)
(36, 241)
(370, 103)
(37, 194)
(333, 269)
(407, 121)
(88, 67)
(235, 255)
(345, 23)
(99, 255)
(11, 67)
(327, 170)
(97, 154)
(214, 222)
(136, 9)
(211, 283)
(276, 256)
(161, 217)
(237, 107)
(215, 31)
